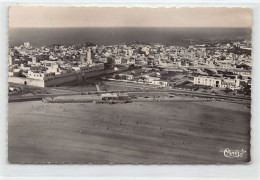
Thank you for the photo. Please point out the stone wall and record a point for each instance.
(72, 77)
(27, 81)
(58, 80)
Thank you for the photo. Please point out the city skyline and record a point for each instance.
(43, 17)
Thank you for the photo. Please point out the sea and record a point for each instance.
(120, 35)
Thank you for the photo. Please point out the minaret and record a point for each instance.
(89, 60)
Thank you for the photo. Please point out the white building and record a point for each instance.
(40, 75)
(243, 73)
(118, 60)
(27, 45)
(109, 96)
(207, 81)
(217, 82)
(160, 83)
(10, 60)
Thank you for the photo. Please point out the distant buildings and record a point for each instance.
(200, 61)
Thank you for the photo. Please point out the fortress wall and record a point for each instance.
(30, 82)
(58, 80)
(61, 80)
(72, 77)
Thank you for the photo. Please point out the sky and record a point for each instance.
(37, 17)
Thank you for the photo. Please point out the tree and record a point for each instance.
(227, 90)
(117, 76)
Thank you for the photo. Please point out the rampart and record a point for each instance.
(26, 81)
(58, 79)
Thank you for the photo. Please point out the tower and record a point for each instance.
(89, 60)
(10, 60)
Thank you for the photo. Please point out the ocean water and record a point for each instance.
(111, 36)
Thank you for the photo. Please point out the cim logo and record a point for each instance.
(232, 153)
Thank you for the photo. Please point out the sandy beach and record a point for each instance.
(161, 132)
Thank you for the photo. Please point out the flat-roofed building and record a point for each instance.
(109, 96)
(160, 83)
(207, 81)
(35, 74)
(217, 82)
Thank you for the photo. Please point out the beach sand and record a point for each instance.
(148, 132)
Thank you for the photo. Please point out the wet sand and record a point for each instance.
(161, 132)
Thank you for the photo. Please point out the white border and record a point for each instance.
(182, 172)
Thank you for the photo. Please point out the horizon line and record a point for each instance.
(132, 27)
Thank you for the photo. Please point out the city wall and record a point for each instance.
(61, 80)
(58, 79)
(27, 81)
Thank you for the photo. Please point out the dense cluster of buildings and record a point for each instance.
(217, 65)
(47, 63)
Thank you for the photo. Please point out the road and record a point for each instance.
(174, 91)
